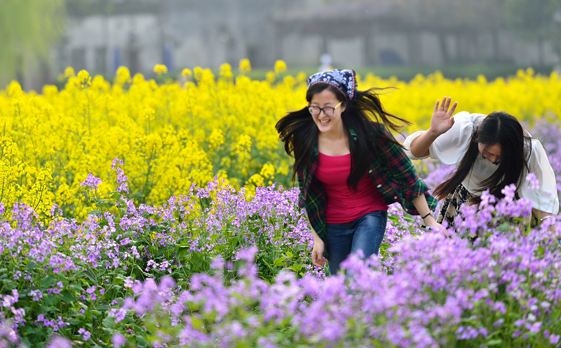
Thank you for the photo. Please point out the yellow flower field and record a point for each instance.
(173, 135)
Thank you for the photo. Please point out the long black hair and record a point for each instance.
(299, 132)
(499, 128)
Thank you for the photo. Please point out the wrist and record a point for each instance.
(318, 240)
(428, 219)
(546, 217)
(433, 133)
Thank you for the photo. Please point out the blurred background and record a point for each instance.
(461, 38)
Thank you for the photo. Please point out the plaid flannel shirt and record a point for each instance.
(391, 171)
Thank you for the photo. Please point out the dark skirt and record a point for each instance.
(451, 206)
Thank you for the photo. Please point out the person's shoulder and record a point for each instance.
(535, 143)
(467, 116)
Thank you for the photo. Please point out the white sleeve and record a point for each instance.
(451, 146)
(545, 198)
(407, 145)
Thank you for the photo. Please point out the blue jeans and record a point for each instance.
(365, 233)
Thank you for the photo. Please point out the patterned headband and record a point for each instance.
(343, 80)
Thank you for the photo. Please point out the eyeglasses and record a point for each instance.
(327, 111)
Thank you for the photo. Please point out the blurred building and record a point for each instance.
(207, 33)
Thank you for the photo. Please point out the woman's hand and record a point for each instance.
(429, 221)
(442, 119)
(317, 253)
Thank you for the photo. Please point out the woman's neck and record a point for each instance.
(334, 135)
(333, 144)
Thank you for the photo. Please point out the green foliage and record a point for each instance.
(27, 30)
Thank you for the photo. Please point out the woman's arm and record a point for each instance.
(541, 215)
(423, 208)
(441, 122)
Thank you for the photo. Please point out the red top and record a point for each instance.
(343, 204)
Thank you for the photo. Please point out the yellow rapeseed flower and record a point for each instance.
(172, 136)
(245, 66)
(69, 71)
(186, 73)
(160, 69)
(84, 79)
(280, 67)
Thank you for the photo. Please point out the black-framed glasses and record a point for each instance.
(327, 111)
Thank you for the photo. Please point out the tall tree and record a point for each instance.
(27, 30)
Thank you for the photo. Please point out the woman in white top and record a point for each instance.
(489, 152)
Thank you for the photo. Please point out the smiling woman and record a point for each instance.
(490, 152)
(349, 167)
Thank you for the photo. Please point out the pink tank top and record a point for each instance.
(343, 204)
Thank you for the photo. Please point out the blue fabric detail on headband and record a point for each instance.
(343, 80)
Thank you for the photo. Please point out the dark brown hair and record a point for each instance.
(499, 128)
(299, 132)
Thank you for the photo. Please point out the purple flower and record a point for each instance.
(534, 183)
(115, 161)
(59, 342)
(119, 340)
(118, 314)
(85, 334)
(91, 181)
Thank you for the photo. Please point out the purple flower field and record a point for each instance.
(213, 268)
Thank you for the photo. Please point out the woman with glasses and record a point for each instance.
(489, 152)
(349, 167)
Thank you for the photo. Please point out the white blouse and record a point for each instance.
(450, 148)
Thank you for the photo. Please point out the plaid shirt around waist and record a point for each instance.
(391, 171)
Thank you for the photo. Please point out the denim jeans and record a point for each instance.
(365, 233)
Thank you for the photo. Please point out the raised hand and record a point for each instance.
(442, 119)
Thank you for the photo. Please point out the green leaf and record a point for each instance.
(183, 250)
(10, 285)
(197, 323)
(108, 331)
(141, 341)
(46, 282)
(67, 296)
(48, 309)
(280, 262)
(555, 314)
(91, 276)
(289, 254)
(31, 265)
(495, 342)
(408, 218)
(76, 287)
(109, 322)
(142, 271)
(53, 300)
(95, 212)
